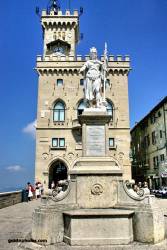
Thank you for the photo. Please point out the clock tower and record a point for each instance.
(61, 32)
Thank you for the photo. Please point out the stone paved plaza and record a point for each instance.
(15, 222)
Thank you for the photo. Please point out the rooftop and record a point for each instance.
(159, 105)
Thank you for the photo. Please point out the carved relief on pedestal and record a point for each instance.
(61, 190)
(136, 194)
(97, 189)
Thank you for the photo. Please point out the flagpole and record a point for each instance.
(105, 70)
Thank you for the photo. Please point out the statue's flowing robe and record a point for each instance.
(93, 82)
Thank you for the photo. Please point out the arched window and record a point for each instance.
(81, 107)
(59, 112)
(110, 109)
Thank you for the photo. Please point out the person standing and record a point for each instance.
(52, 185)
(146, 189)
(37, 191)
(30, 191)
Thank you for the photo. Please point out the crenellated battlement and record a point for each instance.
(60, 13)
(61, 31)
(79, 58)
(61, 65)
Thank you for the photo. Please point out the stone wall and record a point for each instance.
(10, 198)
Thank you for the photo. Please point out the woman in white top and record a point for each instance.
(30, 193)
(37, 192)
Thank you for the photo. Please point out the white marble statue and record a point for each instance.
(94, 75)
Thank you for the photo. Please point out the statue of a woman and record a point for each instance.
(93, 70)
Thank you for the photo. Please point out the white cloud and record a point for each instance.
(30, 128)
(14, 168)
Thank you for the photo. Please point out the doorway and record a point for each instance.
(57, 172)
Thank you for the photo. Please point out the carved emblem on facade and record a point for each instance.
(45, 156)
(70, 155)
(97, 189)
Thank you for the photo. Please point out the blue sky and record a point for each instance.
(133, 27)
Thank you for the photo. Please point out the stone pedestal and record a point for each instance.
(48, 223)
(98, 227)
(96, 174)
(104, 205)
(94, 122)
(149, 226)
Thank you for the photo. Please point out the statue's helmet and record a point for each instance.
(93, 50)
(93, 53)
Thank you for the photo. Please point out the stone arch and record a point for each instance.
(50, 72)
(68, 25)
(121, 72)
(70, 72)
(116, 72)
(58, 100)
(60, 72)
(55, 72)
(73, 24)
(126, 72)
(65, 72)
(40, 72)
(45, 71)
(75, 71)
(58, 170)
(59, 24)
(110, 71)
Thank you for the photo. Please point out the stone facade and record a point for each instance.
(61, 82)
(149, 148)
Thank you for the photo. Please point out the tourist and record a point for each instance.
(146, 189)
(37, 190)
(41, 189)
(52, 185)
(136, 188)
(139, 184)
(30, 191)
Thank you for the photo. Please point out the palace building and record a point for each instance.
(61, 101)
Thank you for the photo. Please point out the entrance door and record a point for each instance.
(57, 172)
